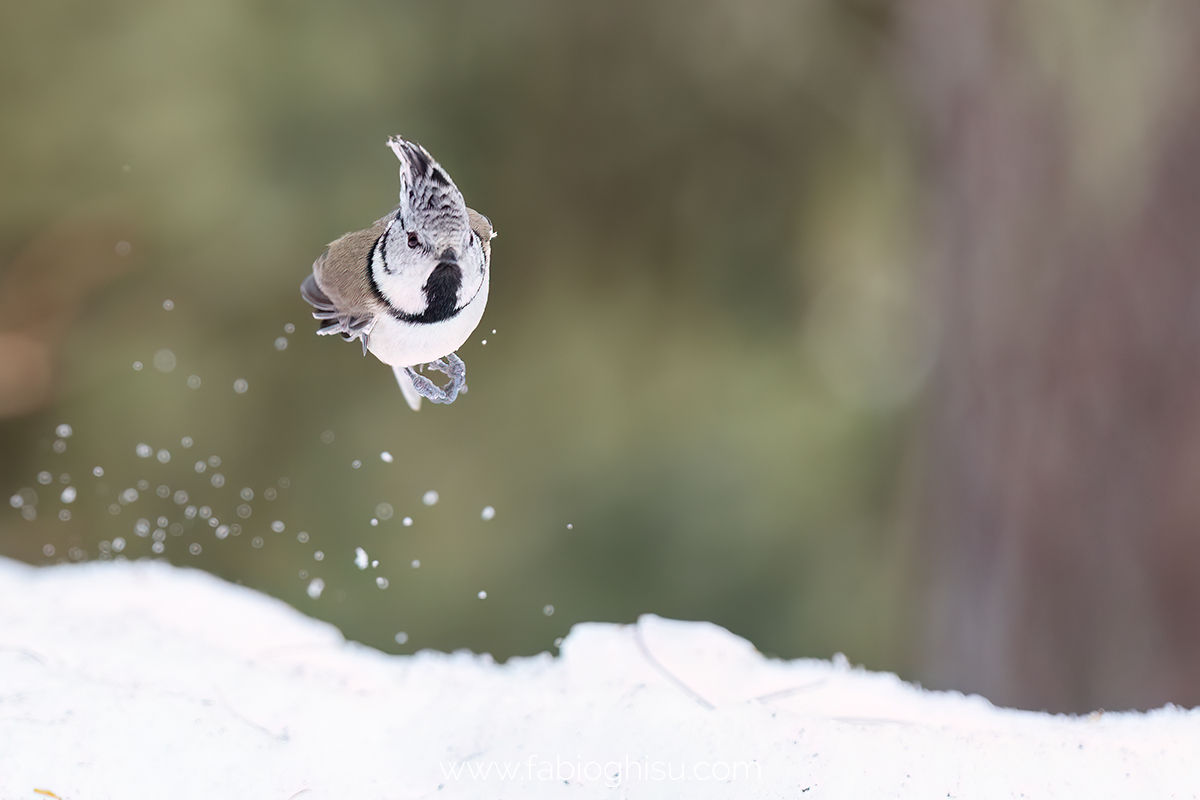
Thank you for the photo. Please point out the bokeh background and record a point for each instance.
(848, 325)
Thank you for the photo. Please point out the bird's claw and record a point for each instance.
(452, 366)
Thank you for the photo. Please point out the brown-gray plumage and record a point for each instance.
(342, 295)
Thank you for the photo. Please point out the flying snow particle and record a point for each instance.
(164, 360)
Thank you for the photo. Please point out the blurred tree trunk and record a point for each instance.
(1059, 511)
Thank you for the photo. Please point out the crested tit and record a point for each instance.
(413, 286)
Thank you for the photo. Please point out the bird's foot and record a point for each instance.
(452, 366)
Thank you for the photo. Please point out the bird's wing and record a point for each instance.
(482, 226)
(339, 287)
(350, 326)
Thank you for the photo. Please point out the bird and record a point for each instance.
(413, 286)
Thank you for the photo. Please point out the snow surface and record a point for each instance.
(141, 680)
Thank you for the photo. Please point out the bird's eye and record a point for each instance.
(413, 241)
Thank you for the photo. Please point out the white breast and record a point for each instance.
(405, 344)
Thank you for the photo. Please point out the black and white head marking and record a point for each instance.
(428, 264)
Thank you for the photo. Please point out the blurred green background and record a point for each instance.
(702, 344)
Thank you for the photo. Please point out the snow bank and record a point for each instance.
(141, 680)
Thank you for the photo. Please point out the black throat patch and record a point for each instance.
(441, 290)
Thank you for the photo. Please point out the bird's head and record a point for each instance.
(429, 263)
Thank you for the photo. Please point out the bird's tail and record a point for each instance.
(407, 389)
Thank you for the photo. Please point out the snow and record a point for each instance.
(141, 680)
